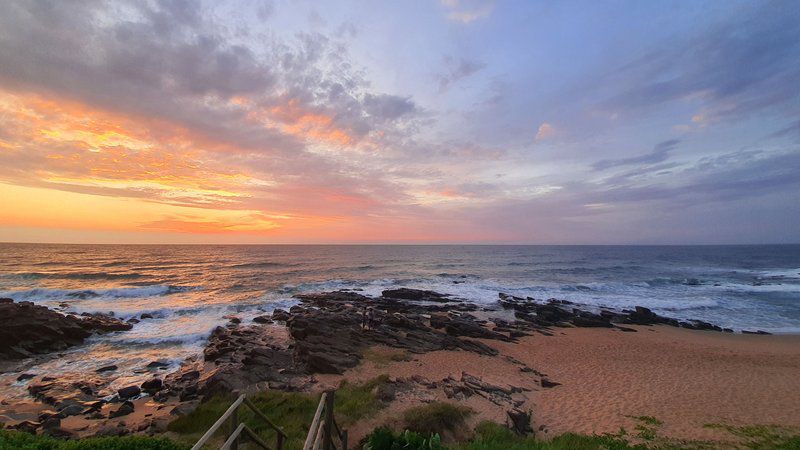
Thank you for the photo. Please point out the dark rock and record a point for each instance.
(262, 319)
(72, 410)
(588, 320)
(152, 386)
(59, 433)
(549, 384)
(129, 392)
(106, 369)
(280, 315)
(158, 365)
(415, 294)
(27, 426)
(51, 422)
(755, 332)
(27, 329)
(25, 376)
(520, 421)
(133, 320)
(123, 410)
(146, 316)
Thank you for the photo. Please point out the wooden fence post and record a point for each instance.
(233, 424)
(327, 435)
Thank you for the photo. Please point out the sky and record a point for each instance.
(420, 121)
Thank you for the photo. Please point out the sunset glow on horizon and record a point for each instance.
(445, 122)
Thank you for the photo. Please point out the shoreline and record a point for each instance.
(571, 370)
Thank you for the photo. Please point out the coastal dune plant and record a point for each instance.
(436, 417)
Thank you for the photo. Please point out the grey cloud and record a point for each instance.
(659, 154)
(456, 70)
(388, 107)
(739, 67)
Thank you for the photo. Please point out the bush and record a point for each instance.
(436, 417)
(491, 436)
(24, 441)
(385, 439)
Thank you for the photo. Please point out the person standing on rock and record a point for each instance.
(371, 324)
(364, 318)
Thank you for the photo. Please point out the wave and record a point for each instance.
(78, 275)
(128, 292)
(259, 265)
(780, 273)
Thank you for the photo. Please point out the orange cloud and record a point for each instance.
(294, 119)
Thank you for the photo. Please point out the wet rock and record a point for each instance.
(146, 316)
(415, 294)
(124, 409)
(158, 365)
(755, 332)
(26, 376)
(27, 329)
(588, 320)
(106, 369)
(152, 386)
(133, 320)
(129, 392)
(280, 315)
(262, 319)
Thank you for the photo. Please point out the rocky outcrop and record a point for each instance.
(27, 329)
(329, 337)
(556, 313)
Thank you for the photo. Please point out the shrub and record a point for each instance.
(25, 441)
(436, 417)
(385, 439)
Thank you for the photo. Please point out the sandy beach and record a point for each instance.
(684, 378)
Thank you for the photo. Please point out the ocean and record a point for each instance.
(189, 289)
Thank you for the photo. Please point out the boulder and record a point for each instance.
(129, 392)
(281, 315)
(27, 329)
(124, 409)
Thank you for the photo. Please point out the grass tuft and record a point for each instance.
(436, 417)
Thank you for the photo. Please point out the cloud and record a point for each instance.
(456, 70)
(467, 11)
(545, 131)
(659, 154)
(737, 67)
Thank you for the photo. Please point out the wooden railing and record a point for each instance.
(237, 429)
(324, 428)
(324, 432)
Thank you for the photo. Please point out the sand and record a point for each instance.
(684, 378)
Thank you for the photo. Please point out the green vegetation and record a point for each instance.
(292, 411)
(763, 436)
(489, 436)
(385, 439)
(436, 417)
(24, 441)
